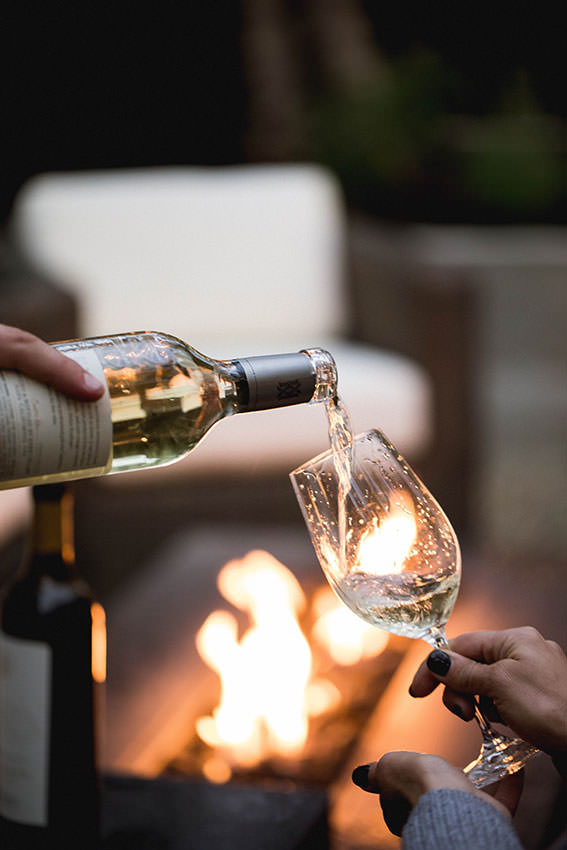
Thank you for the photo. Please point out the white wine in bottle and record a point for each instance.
(161, 398)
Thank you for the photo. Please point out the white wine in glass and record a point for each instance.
(392, 556)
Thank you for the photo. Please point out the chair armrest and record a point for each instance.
(430, 315)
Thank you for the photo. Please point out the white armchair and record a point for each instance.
(236, 261)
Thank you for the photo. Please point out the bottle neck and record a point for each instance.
(281, 380)
(52, 547)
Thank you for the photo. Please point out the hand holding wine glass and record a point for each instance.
(522, 680)
(521, 677)
(432, 804)
(390, 553)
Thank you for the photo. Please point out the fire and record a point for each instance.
(347, 638)
(386, 545)
(98, 653)
(265, 674)
(268, 686)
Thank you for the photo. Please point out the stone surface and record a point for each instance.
(167, 814)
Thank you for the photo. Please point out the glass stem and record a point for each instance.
(438, 640)
(485, 727)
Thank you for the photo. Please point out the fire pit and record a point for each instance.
(169, 814)
(235, 676)
(296, 687)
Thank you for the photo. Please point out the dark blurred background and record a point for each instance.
(426, 112)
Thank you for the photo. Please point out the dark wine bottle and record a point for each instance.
(52, 654)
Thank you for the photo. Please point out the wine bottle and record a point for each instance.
(161, 398)
(52, 665)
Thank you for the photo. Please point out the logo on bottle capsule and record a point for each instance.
(288, 389)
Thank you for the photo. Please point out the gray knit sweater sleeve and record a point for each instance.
(455, 820)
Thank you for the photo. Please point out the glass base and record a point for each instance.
(498, 757)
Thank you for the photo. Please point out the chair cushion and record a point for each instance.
(187, 250)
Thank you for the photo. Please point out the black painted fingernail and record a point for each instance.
(439, 662)
(360, 776)
(411, 690)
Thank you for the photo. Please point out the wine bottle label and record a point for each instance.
(45, 433)
(25, 676)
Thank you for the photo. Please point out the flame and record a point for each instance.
(217, 770)
(346, 637)
(265, 674)
(385, 546)
(321, 696)
(268, 691)
(98, 650)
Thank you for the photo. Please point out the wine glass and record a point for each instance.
(391, 555)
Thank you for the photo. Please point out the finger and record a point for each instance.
(429, 672)
(410, 774)
(480, 646)
(461, 705)
(487, 646)
(35, 358)
(397, 778)
(423, 682)
(461, 673)
(396, 810)
(364, 777)
(489, 710)
(401, 778)
(391, 774)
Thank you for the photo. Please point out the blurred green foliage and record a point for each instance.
(403, 147)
